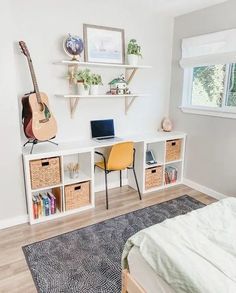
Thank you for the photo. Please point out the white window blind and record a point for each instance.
(209, 49)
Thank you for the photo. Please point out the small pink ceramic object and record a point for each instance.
(166, 124)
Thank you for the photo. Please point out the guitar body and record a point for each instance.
(42, 126)
(27, 117)
(38, 121)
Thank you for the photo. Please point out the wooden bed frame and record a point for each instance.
(129, 284)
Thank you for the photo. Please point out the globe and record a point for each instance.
(73, 46)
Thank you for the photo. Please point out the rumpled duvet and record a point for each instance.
(195, 252)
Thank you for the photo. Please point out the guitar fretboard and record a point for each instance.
(34, 80)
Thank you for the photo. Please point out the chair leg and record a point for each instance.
(120, 178)
(135, 177)
(106, 190)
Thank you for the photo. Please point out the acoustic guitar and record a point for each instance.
(38, 120)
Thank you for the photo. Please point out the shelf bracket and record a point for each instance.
(73, 105)
(72, 68)
(128, 103)
(130, 74)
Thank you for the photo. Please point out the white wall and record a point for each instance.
(12, 199)
(43, 24)
(210, 150)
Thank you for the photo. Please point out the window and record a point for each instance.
(210, 88)
(209, 64)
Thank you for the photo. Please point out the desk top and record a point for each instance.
(48, 149)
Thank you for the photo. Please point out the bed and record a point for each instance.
(193, 253)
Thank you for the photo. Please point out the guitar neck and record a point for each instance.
(34, 80)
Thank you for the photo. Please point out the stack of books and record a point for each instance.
(44, 204)
(170, 174)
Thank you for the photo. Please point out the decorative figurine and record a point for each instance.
(119, 86)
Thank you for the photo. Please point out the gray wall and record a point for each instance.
(211, 143)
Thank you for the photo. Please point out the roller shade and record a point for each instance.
(209, 49)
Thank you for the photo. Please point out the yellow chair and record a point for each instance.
(121, 157)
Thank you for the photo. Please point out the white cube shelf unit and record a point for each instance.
(84, 158)
(158, 145)
(150, 177)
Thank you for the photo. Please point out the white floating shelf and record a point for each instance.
(93, 64)
(102, 96)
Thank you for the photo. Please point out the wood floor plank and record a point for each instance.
(14, 273)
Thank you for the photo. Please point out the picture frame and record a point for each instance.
(104, 44)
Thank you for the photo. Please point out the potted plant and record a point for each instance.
(83, 80)
(96, 80)
(134, 52)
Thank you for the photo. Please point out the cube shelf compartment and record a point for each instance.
(59, 162)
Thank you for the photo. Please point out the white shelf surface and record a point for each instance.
(101, 96)
(158, 164)
(172, 162)
(93, 64)
(173, 184)
(81, 178)
(46, 188)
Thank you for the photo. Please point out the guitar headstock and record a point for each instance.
(24, 49)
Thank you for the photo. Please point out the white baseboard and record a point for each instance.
(111, 185)
(204, 189)
(13, 221)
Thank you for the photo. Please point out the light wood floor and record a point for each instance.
(14, 273)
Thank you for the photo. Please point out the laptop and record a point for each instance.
(103, 130)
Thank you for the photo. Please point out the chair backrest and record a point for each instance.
(121, 156)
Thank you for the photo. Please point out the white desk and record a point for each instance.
(83, 151)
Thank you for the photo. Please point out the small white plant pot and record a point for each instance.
(81, 89)
(133, 59)
(94, 89)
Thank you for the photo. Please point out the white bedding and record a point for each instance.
(195, 252)
(145, 275)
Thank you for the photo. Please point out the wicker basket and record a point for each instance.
(77, 195)
(45, 172)
(173, 150)
(153, 177)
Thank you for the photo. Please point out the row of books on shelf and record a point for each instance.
(171, 174)
(44, 204)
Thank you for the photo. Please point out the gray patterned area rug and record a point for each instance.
(88, 260)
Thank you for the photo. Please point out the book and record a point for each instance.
(35, 207)
(42, 205)
(57, 193)
(39, 205)
(171, 175)
(53, 202)
(46, 204)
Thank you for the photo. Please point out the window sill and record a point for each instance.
(208, 112)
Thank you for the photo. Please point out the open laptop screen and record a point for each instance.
(102, 128)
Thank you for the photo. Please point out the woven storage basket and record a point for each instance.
(45, 172)
(153, 177)
(77, 195)
(173, 150)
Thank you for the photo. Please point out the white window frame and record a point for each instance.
(187, 107)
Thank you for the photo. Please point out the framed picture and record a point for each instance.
(104, 44)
